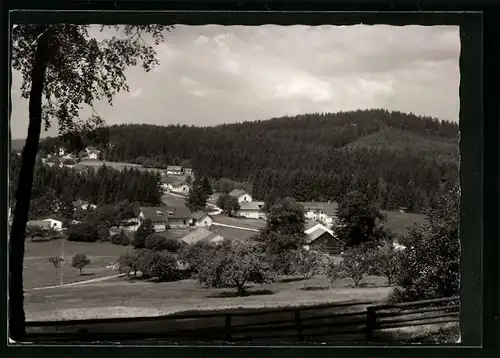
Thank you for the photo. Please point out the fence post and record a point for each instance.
(298, 323)
(227, 327)
(371, 322)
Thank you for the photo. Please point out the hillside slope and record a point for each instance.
(397, 159)
(408, 143)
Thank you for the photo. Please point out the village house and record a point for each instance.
(320, 238)
(180, 187)
(92, 153)
(158, 216)
(46, 224)
(188, 171)
(214, 197)
(178, 216)
(201, 218)
(324, 212)
(84, 205)
(174, 170)
(250, 210)
(241, 195)
(201, 235)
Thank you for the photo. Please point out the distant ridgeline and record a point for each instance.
(397, 159)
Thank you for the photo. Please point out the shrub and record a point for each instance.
(120, 238)
(143, 231)
(102, 233)
(130, 262)
(195, 255)
(84, 232)
(80, 261)
(157, 242)
(430, 262)
(162, 265)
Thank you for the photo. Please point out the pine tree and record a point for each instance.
(143, 231)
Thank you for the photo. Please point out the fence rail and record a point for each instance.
(326, 322)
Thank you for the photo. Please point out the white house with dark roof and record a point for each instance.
(174, 170)
(324, 212)
(251, 210)
(92, 153)
(214, 197)
(201, 219)
(241, 195)
(180, 187)
(319, 237)
(158, 216)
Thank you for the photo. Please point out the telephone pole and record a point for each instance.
(61, 273)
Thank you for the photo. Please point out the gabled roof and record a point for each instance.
(198, 235)
(178, 212)
(174, 167)
(250, 206)
(40, 223)
(90, 148)
(316, 234)
(216, 196)
(155, 213)
(329, 208)
(179, 183)
(311, 223)
(199, 215)
(238, 192)
(169, 180)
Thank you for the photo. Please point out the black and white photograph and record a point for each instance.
(234, 184)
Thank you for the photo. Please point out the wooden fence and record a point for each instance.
(344, 322)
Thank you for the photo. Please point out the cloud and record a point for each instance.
(219, 74)
(136, 93)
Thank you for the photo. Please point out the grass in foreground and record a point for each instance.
(141, 298)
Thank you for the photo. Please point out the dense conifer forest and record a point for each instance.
(396, 159)
(103, 186)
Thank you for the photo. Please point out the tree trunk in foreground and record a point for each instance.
(17, 317)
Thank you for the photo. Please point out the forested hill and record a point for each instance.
(398, 159)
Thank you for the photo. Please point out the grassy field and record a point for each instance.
(398, 222)
(172, 200)
(39, 272)
(115, 165)
(110, 298)
(232, 234)
(247, 223)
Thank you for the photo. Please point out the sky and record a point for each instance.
(214, 74)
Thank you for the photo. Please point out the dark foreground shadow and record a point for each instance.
(87, 274)
(232, 294)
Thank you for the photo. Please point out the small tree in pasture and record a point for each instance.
(307, 264)
(130, 262)
(56, 261)
(162, 265)
(383, 261)
(120, 238)
(235, 265)
(80, 261)
(334, 271)
(355, 263)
